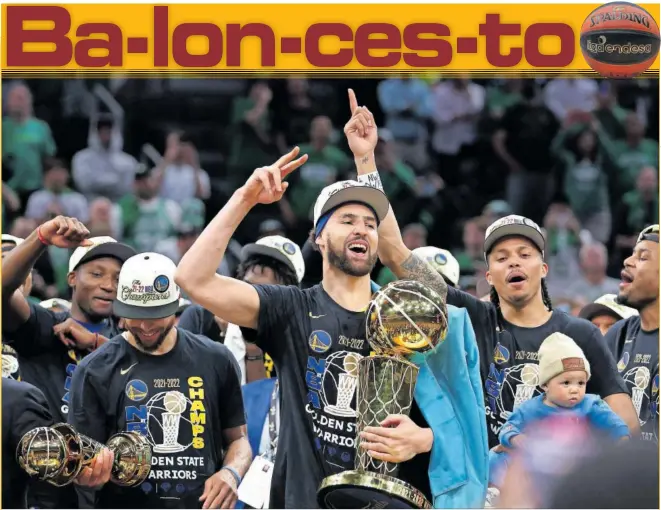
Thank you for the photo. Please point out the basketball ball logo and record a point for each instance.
(620, 40)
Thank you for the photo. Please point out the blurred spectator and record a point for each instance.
(146, 219)
(271, 228)
(593, 281)
(103, 169)
(523, 143)
(606, 311)
(414, 236)
(179, 175)
(250, 133)
(326, 164)
(456, 107)
(563, 241)
(587, 164)
(562, 95)
(26, 142)
(608, 113)
(406, 104)
(293, 114)
(11, 204)
(495, 210)
(502, 95)
(635, 152)
(176, 247)
(471, 258)
(638, 208)
(102, 222)
(56, 198)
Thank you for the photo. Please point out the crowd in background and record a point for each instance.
(578, 156)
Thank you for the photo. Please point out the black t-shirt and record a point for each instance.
(316, 345)
(509, 359)
(637, 352)
(200, 321)
(24, 408)
(45, 361)
(181, 401)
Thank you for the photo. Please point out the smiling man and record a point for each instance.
(635, 341)
(50, 344)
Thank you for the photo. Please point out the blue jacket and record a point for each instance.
(449, 394)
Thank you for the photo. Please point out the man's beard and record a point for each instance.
(638, 304)
(153, 347)
(338, 259)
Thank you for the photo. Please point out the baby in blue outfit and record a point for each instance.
(563, 374)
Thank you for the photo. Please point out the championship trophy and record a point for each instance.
(403, 318)
(57, 455)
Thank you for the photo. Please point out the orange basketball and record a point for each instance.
(620, 40)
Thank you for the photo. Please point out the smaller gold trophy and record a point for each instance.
(403, 318)
(57, 454)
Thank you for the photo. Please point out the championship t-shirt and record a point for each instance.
(509, 358)
(180, 401)
(316, 346)
(637, 352)
(48, 364)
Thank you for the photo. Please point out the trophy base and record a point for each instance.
(356, 489)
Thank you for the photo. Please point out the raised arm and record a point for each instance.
(393, 253)
(235, 301)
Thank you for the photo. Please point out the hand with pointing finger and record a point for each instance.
(361, 129)
(267, 185)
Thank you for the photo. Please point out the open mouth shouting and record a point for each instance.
(358, 249)
(626, 280)
(516, 279)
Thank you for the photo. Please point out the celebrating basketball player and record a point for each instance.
(635, 341)
(50, 344)
(511, 326)
(316, 336)
(180, 390)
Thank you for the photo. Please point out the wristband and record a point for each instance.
(43, 240)
(371, 179)
(235, 474)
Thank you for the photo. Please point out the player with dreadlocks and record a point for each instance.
(511, 326)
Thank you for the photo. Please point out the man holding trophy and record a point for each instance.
(178, 391)
(317, 336)
(24, 409)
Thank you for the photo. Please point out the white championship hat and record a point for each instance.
(441, 260)
(606, 305)
(6, 238)
(513, 225)
(279, 248)
(146, 288)
(351, 191)
(103, 246)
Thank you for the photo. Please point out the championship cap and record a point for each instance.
(650, 233)
(351, 192)
(6, 238)
(146, 288)
(513, 225)
(281, 249)
(606, 305)
(441, 260)
(103, 246)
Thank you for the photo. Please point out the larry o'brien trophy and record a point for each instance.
(403, 318)
(57, 455)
